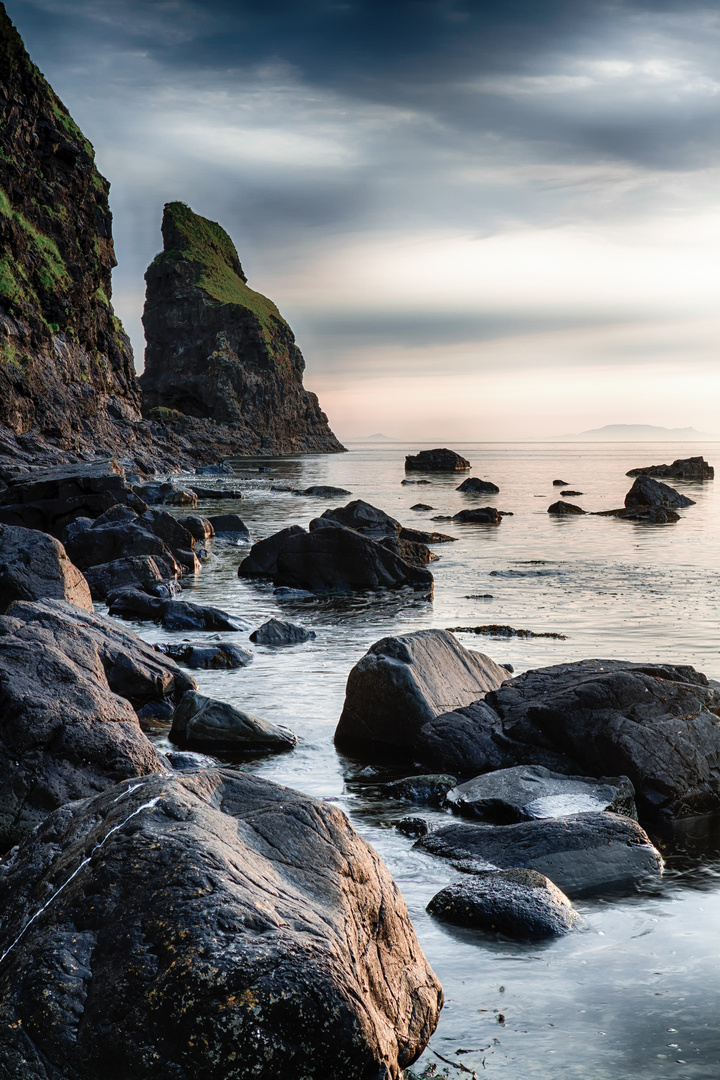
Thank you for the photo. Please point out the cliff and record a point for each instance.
(67, 379)
(219, 352)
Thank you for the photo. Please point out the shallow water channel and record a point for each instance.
(636, 993)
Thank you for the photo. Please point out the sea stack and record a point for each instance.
(67, 380)
(220, 352)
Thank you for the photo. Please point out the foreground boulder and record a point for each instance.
(331, 559)
(403, 682)
(528, 792)
(438, 460)
(583, 854)
(654, 723)
(648, 492)
(206, 918)
(694, 468)
(517, 903)
(212, 725)
(34, 565)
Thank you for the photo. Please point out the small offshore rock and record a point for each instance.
(473, 485)
(429, 789)
(560, 483)
(405, 482)
(494, 630)
(693, 468)
(569, 494)
(483, 515)
(217, 493)
(422, 506)
(648, 492)
(223, 656)
(277, 632)
(200, 528)
(413, 826)
(518, 903)
(561, 508)
(438, 460)
(204, 722)
(229, 523)
(319, 491)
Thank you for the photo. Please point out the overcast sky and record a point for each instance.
(483, 220)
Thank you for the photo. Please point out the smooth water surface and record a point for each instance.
(635, 994)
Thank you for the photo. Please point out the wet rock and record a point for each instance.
(34, 565)
(364, 518)
(203, 722)
(120, 533)
(422, 506)
(182, 615)
(693, 468)
(411, 552)
(225, 524)
(570, 494)
(518, 903)
(133, 602)
(560, 483)
(474, 486)
(582, 854)
(483, 515)
(202, 918)
(219, 468)
(403, 682)
(222, 656)
(331, 559)
(166, 494)
(468, 741)
(190, 760)
(648, 492)
(419, 536)
(561, 508)
(320, 491)
(49, 499)
(527, 792)
(438, 460)
(413, 826)
(406, 482)
(200, 528)
(216, 493)
(140, 571)
(429, 789)
(278, 632)
(650, 515)
(497, 630)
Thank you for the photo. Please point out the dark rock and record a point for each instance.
(570, 494)
(411, 552)
(331, 559)
(200, 528)
(694, 468)
(582, 854)
(428, 790)
(277, 632)
(220, 351)
(474, 486)
(484, 515)
(318, 491)
(422, 506)
(508, 667)
(190, 760)
(419, 536)
(413, 826)
(140, 571)
(166, 494)
(403, 682)
(648, 492)
(228, 524)
(405, 482)
(181, 615)
(560, 483)
(439, 460)
(120, 533)
(650, 515)
(527, 792)
(131, 602)
(364, 518)
(205, 918)
(563, 509)
(218, 657)
(470, 740)
(168, 528)
(34, 565)
(203, 722)
(516, 903)
(216, 493)
(50, 499)
(219, 468)
(497, 630)
(154, 713)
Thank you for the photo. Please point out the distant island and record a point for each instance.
(635, 433)
(377, 437)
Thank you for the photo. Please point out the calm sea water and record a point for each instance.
(636, 994)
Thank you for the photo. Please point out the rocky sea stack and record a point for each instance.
(67, 380)
(220, 352)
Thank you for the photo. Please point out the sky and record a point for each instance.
(483, 220)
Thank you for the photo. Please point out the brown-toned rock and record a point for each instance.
(34, 565)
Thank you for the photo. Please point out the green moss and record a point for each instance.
(69, 126)
(10, 290)
(51, 270)
(102, 296)
(160, 412)
(206, 244)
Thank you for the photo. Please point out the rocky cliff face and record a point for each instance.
(220, 352)
(67, 380)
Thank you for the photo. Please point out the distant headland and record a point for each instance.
(635, 433)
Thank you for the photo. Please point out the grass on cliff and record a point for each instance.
(51, 269)
(206, 244)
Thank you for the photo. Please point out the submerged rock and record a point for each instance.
(218, 657)
(583, 854)
(516, 903)
(277, 632)
(438, 460)
(323, 491)
(205, 918)
(429, 789)
(403, 682)
(214, 725)
(34, 565)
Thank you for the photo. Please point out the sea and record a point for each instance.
(634, 995)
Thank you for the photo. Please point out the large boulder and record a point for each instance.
(403, 682)
(49, 499)
(207, 924)
(438, 460)
(582, 854)
(693, 468)
(516, 903)
(648, 492)
(34, 565)
(654, 723)
(120, 533)
(212, 725)
(331, 559)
